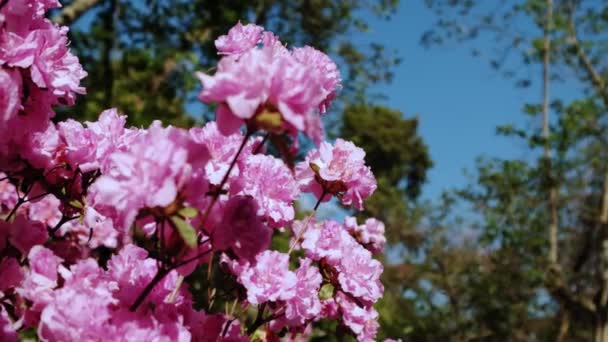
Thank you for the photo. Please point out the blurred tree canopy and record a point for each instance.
(536, 267)
(142, 55)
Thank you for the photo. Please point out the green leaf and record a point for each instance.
(188, 212)
(76, 204)
(185, 230)
(326, 292)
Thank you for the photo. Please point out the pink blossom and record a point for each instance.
(41, 278)
(222, 149)
(8, 333)
(269, 279)
(210, 328)
(10, 94)
(88, 148)
(132, 270)
(305, 305)
(337, 170)
(328, 240)
(328, 70)
(80, 309)
(260, 82)
(362, 321)
(8, 195)
(45, 210)
(149, 175)
(270, 182)
(239, 39)
(41, 148)
(359, 274)
(95, 230)
(44, 51)
(241, 229)
(11, 272)
(25, 234)
(370, 234)
(162, 326)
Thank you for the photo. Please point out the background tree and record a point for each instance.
(539, 269)
(144, 54)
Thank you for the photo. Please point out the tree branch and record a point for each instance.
(71, 13)
(553, 220)
(585, 61)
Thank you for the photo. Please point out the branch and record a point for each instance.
(583, 308)
(553, 220)
(71, 13)
(583, 58)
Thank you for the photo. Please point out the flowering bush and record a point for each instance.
(103, 226)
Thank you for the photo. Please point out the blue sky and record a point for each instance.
(459, 99)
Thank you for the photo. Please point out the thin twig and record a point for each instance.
(306, 223)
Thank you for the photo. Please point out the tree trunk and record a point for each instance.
(600, 329)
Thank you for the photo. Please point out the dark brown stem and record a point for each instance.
(198, 256)
(224, 179)
(2, 3)
(261, 144)
(160, 274)
(320, 200)
(259, 320)
(64, 220)
(20, 201)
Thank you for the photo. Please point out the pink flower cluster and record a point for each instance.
(261, 83)
(101, 223)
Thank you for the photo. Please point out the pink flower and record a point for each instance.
(8, 196)
(328, 70)
(305, 305)
(132, 270)
(10, 94)
(25, 234)
(261, 83)
(134, 327)
(88, 148)
(44, 51)
(241, 229)
(41, 148)
(222, 149)
(359, 274)
(94, 231)
(269, 279)
(370, 234)
(328, 240)
(239, 39)
(150, 174)
(362, 321)
(80, 310)
(11, 272)
(41, 278)
(8, 333)
(337, 170)
(45, 210)
(210, 328)
(270, 182)
(81, 145)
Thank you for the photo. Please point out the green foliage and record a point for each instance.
(141, 56)
(507, 288)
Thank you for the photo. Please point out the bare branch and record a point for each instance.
(71, 13)
(585, 61)
(553, 220)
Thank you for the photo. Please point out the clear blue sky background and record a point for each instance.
(459, 99)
